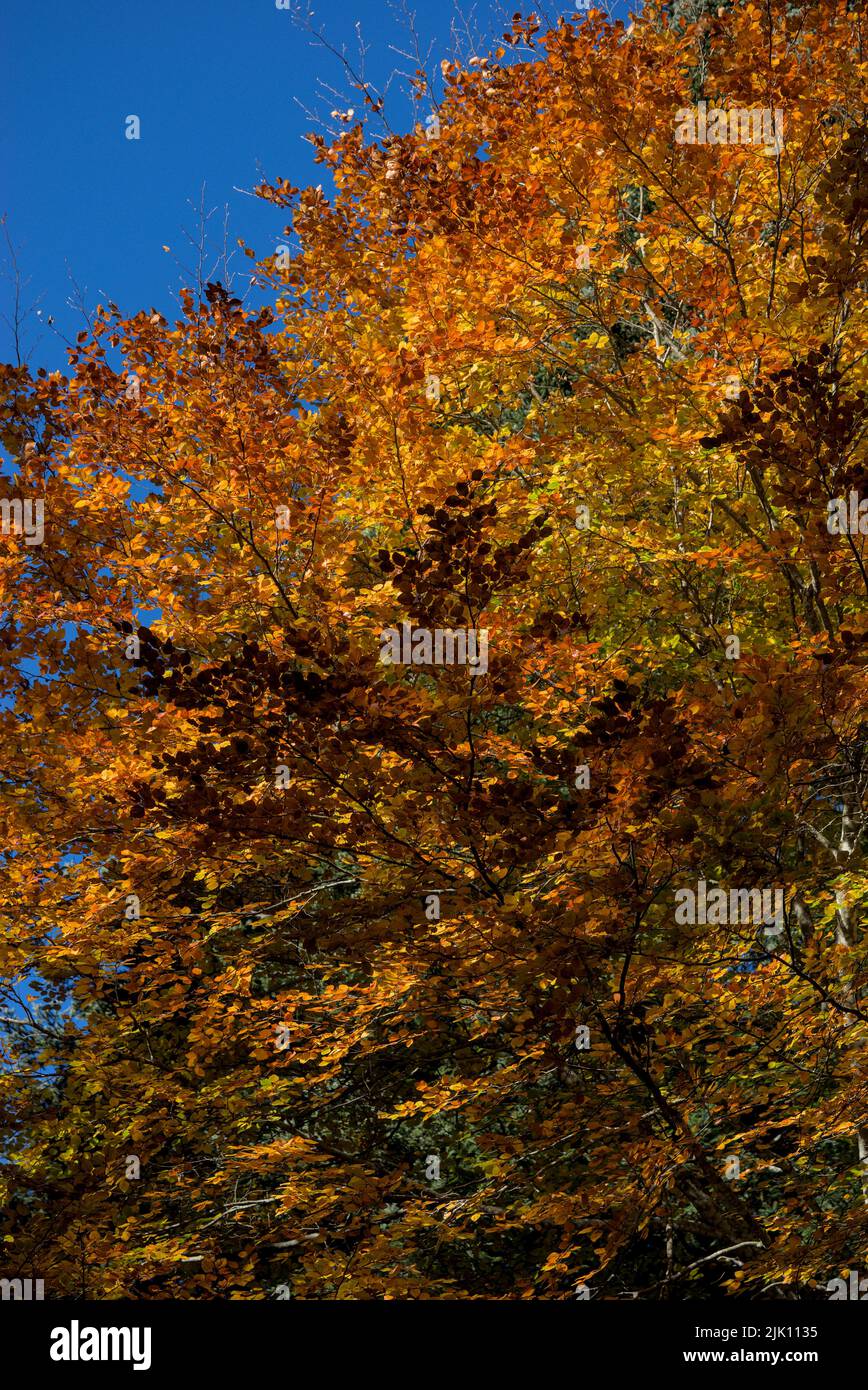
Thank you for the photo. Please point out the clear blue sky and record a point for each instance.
(219, 87)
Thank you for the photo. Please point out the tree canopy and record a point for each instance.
(329, 976)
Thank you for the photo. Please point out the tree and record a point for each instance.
(348, 975)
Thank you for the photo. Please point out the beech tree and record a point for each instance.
(330, 976)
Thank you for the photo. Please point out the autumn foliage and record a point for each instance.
(287, 1034)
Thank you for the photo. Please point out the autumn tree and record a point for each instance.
(330, 975)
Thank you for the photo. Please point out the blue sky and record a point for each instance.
(224, 89)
